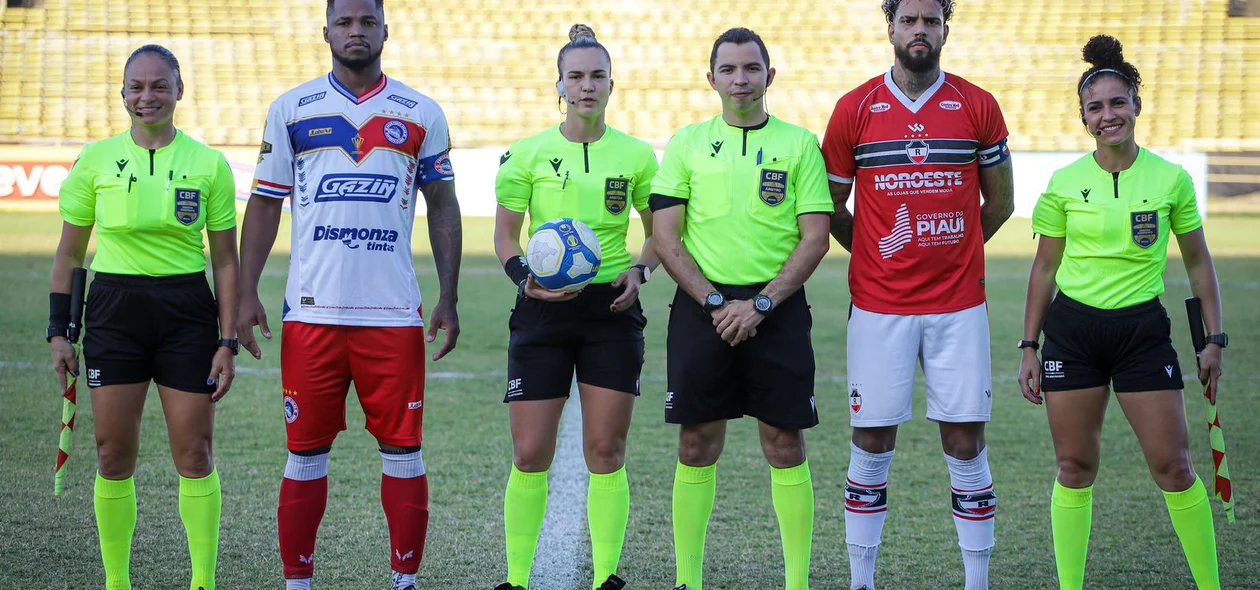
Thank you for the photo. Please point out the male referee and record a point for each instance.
(741, 217)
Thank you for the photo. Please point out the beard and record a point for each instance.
(918, 64)
(358, 64)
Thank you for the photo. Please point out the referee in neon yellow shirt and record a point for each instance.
(742, 212)
(585, 170)
(151, 316)
(1105, 222)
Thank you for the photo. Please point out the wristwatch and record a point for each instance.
(1029, 344)
(231, 344)
(53, 331)
(713, 302)
(1220, 340)
(645, 269)
(763, 304)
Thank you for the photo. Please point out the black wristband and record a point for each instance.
(516, 270)
(59, 309)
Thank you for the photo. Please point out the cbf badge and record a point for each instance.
(187, 205)
(616, 192)
(773, 186)
(1145, 227)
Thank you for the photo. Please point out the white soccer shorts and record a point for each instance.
(953, 349)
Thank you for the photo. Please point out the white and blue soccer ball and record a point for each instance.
(563, 255)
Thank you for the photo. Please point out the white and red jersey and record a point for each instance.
(351, 166)
(918, 247)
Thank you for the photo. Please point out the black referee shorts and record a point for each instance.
(1130, 348)
(161, 328)
(550, 340)
(769, 376)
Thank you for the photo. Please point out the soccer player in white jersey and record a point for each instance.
(348, 151)
(920, 148)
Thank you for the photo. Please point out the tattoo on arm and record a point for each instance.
(997, 185)
(446, 235)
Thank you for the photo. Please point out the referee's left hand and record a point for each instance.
(1210, 368)
(737, 321)
(222, 371)
(444, 318)
(632, 281)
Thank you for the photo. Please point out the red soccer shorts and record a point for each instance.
(317, 364)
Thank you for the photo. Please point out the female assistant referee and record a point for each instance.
(1104, 223)
(588, 171)
(150, 192)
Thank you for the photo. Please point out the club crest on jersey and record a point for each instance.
(917, 150)
(1144, 226)
(396, 132)
(977, 505)
(187, 205)
(773, 186)
(616, 192)
(855, 401)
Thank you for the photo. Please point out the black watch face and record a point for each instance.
(715, 299)
(762, 303)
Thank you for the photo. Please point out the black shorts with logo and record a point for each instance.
(550, 340)
(769, 376)
(1130, 348)
(161, 328)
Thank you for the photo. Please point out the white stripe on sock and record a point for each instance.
(306, 468)
(402, 465)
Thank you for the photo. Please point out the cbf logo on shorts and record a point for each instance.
(1144, 226)
(773, 186)
(187, 205)
(616, 192)
(1053, 370)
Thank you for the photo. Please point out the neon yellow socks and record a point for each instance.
(115, 504)
(200, 506)
(694, 488)
(1192, 519)
(524, 506)
(793, 492)
(1071, 512)
(607, 512)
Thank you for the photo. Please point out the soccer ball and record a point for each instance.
(563, 255)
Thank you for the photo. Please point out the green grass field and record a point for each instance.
(52, 545)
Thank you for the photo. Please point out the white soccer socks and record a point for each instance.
(865, 506)
(975, 506)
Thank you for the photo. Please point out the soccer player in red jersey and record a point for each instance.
(922, 147)
(350, 150)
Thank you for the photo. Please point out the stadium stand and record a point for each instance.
(491, 63)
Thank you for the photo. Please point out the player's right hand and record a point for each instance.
(251, 314)
(1030, 376)
(64, 360)
(535, 291)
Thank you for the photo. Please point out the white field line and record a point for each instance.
(562, 547)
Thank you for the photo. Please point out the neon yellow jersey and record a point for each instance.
(149, 206)
(595, 183)
(1116, 226)
(744, 189)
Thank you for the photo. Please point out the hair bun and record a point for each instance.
(581, 31)
(1104, 51)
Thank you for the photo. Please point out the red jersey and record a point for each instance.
(917, 243)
